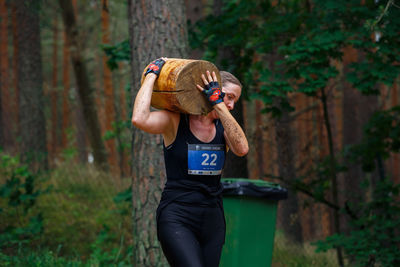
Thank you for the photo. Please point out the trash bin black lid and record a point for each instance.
(254, 188)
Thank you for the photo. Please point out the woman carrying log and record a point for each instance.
(190, 218)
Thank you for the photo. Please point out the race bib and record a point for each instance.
(205, 159)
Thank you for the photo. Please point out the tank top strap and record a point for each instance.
(183, 125)
(220, 129)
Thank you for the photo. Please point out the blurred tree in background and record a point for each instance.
(31, 118)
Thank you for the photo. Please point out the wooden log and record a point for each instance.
(175, 89)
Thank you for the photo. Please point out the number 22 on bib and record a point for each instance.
(205, 159)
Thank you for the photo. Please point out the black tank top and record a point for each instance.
(193, 168)
(190, 159)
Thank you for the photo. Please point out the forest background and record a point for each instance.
(320, 107)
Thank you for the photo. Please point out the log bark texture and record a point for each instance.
(175, 89)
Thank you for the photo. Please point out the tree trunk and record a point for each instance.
(77, 107)
(121, 116)
(5, 108)
(361, 107)
(15, 69)
(108, 87)
(332, 171)
(395, 162)
(195, 11)
(83, 84)
(66, 89)
(31, 116)
(288, 209)
(157, 28)
(54, 94)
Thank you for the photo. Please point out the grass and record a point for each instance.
(47, 258)
(81, 220)
(288, 254)
(84, 226)
(80, 208)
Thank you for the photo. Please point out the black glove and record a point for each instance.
(214, 93)
(155, 67)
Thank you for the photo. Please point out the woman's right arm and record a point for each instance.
(155, 122)
(151, 122)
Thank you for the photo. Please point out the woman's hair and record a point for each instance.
(227, 77)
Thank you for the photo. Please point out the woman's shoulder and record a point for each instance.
(170, 135)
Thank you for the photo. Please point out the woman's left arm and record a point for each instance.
(233, 133)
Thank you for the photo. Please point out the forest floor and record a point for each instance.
(87, 222)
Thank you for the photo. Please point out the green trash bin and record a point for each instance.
(250, 213)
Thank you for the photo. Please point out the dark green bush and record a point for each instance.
(18, 195)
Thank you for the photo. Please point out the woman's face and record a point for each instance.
(232, 94)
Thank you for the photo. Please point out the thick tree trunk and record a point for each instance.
(31, 116)
(83, 84)
(157, 28)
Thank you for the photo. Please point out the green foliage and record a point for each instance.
(292, 47)
(41, 259)
(297, 47)
(48, 258)
(78, 216)
(80, 206)
(117, 256)
(117, 53)
(18, 196)
(118, 129)
(381, 138)
(374, 237)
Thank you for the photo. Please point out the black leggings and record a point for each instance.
(191, 236)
